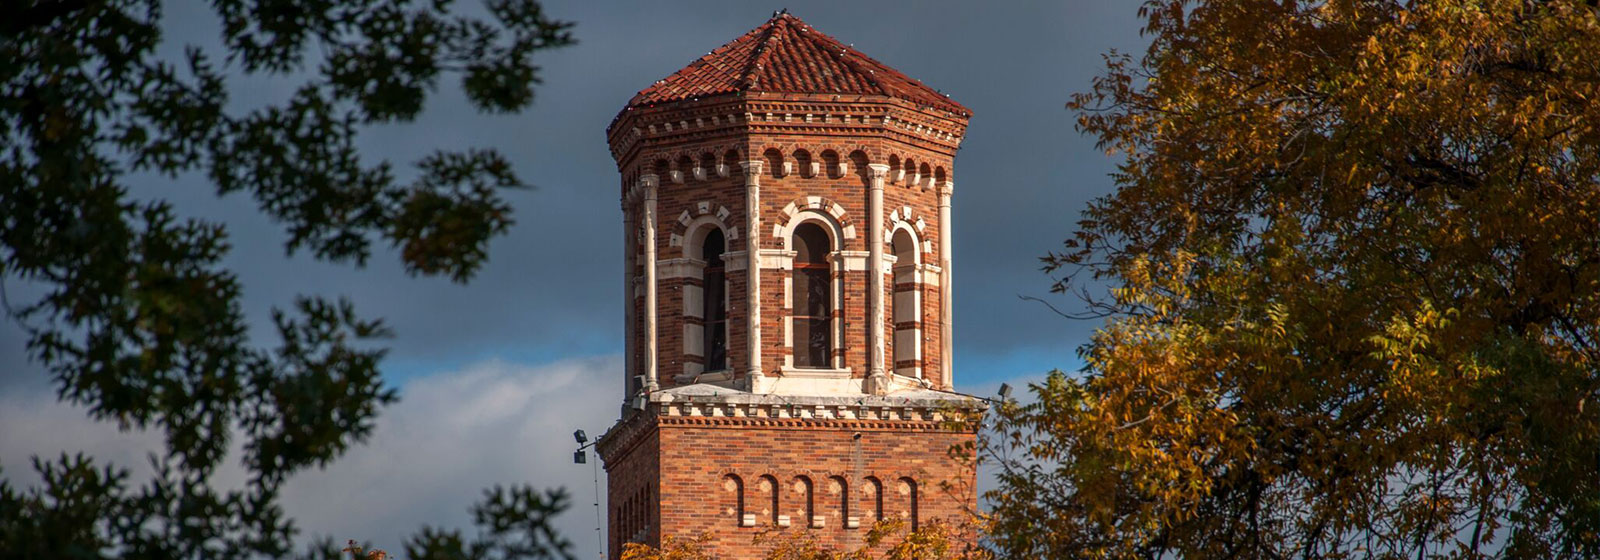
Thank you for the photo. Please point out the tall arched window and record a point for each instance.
(769, 484)
(905, 308)
(908, 487)
(734, 485)
(874, 492)
(807, 508)
(715, 302)
(841, 488)
(812, 298)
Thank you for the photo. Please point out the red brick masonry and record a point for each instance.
(693, 463)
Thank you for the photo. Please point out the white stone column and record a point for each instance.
(651, 310)
(629, 331)
(752, 213)
(946, 345)
(877, 380)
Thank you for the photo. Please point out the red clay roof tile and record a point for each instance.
(785, 55)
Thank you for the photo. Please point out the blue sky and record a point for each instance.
(498, 372)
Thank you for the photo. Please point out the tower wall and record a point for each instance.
(743, 142)
(820, 158)
(712, 467)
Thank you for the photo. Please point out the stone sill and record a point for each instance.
(819, 373)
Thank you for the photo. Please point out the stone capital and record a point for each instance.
(751, 167)
(878, 170)
(649, 181)
(947, 189)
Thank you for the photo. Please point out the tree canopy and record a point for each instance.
(141, 323)
(1354, 307)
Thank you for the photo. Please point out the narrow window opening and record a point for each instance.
(875, 487)
(735, 485)
(809, 512)
(909, 486)
(812, 298)
(770, 485)
(904, 317)
(843, 488)
(715, 302)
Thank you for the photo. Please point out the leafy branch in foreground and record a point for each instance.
(513, 524)
(137, 318)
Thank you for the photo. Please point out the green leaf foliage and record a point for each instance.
(138, 320)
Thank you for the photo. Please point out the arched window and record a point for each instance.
(770, 486)
(908, 487)
(841, 488)
(812, 298)
(715, 309)
(905, 317)
(734, 485)
(807, 511)
(874, 492)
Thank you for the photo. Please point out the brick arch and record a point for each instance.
(860, 158)
(804, 492)
(838, 499)
(907, 490)
(692, 224)
(767, 487)
(833, 165)
(906, 219)
(805, 163)
(734, 498)
(872, 490)
(731, 157)
(777, 163)
(837, 220)
(674, 158)
(659, 166)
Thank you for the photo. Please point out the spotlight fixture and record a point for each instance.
(1005, 391)
(580, 436)
(638, 402)
(580, 457)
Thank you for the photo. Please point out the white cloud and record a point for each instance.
(36, 423)
(451, 435)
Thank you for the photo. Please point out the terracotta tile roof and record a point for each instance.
(785, 55)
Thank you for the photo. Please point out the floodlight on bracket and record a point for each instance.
(581, 456)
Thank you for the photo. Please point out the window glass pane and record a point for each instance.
(716, 317)
(802, 333)
(819, 343)
(811, 298)
(799, 291)
(714, 308)
(713, 247)
(810, 244)
(816, 295)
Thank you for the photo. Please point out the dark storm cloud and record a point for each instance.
(552, 287)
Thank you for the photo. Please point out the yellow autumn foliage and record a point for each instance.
(1354, 307)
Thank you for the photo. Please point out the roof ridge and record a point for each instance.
(870, 76)
(763, 52)
(787, 55)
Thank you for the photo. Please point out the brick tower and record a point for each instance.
(786, 209)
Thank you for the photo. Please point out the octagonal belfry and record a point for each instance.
(786, 209)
